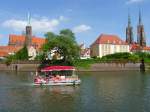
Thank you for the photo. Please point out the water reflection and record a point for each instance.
(57, 89)
(98, 92)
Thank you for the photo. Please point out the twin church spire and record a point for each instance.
(140, 32)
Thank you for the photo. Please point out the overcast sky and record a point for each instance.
(86, 18)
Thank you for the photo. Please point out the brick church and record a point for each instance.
(16, 42)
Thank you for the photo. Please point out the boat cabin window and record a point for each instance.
(61, 73)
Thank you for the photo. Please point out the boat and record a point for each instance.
(57, 75)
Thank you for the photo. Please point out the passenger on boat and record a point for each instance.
(38, 79)
(36, 73)
(47, 77)
(62, 77)
(58, 77)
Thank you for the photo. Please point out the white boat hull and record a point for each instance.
(59, 83)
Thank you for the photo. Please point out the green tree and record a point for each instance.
(49, 36)
(68, 34)
(22, 54)
(64, 44)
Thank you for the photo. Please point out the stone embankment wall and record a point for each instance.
(19, 67)
(94, 67)
(147, 66)
(113, 67)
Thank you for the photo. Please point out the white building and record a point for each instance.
(31, 53)
(85, 52)
(108, 44)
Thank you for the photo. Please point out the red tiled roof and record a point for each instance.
(21, 39)
(111, 39)
(39, 41)
(146, 48)
(15, 38)
(137, 47)
(134, 47)
(3, 54)
(9, 49)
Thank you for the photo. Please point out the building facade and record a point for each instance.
(84, 52)
(108, 44)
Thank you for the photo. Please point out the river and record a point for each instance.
(99, 92)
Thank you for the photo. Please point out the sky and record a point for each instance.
(86, 18)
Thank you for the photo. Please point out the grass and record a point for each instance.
(84, 63)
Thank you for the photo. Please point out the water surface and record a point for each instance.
(98, 92)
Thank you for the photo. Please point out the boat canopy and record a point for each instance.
(57, 68)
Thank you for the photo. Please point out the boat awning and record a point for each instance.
(57, 68)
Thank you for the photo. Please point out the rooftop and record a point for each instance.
(109, 39)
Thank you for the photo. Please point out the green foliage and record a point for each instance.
(49, 36)
(64, 44)
(121, 57)
(143, 55)
(9, 59)
(40, 57)
(68, 34)
(22, 54)
(84, 63)
(117, 56)
(134, 58)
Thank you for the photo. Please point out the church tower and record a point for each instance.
(129, 31)
(140, 33)
(28, 34)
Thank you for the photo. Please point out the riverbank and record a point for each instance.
(19, 67)
(93, 67)
(112, 67)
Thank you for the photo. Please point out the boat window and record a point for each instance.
(61, 73)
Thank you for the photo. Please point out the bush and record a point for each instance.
(121, 57)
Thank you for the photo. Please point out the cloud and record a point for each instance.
(15, 24)
(81, 28)
(62, 18)
(38, 25)
(134, 1)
